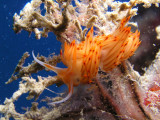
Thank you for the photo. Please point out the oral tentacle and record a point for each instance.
(67, 97)
(55, 69)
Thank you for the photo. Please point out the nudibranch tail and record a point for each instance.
(55, 69)
(70, 86)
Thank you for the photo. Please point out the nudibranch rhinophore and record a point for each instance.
(84, 59)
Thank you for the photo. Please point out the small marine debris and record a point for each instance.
(158, 32)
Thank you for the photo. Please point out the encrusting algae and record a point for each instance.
(108, 92)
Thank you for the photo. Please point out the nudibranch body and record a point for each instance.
(84, 59)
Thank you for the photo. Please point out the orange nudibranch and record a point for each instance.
(84, 59)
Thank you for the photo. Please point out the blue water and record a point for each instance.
(12, 47)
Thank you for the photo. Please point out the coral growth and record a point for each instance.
(118, 94)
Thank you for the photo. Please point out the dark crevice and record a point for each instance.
(132, 83)
(147, 19)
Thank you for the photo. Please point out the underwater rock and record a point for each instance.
(118, 91)
(148, 89)
(84, 103)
